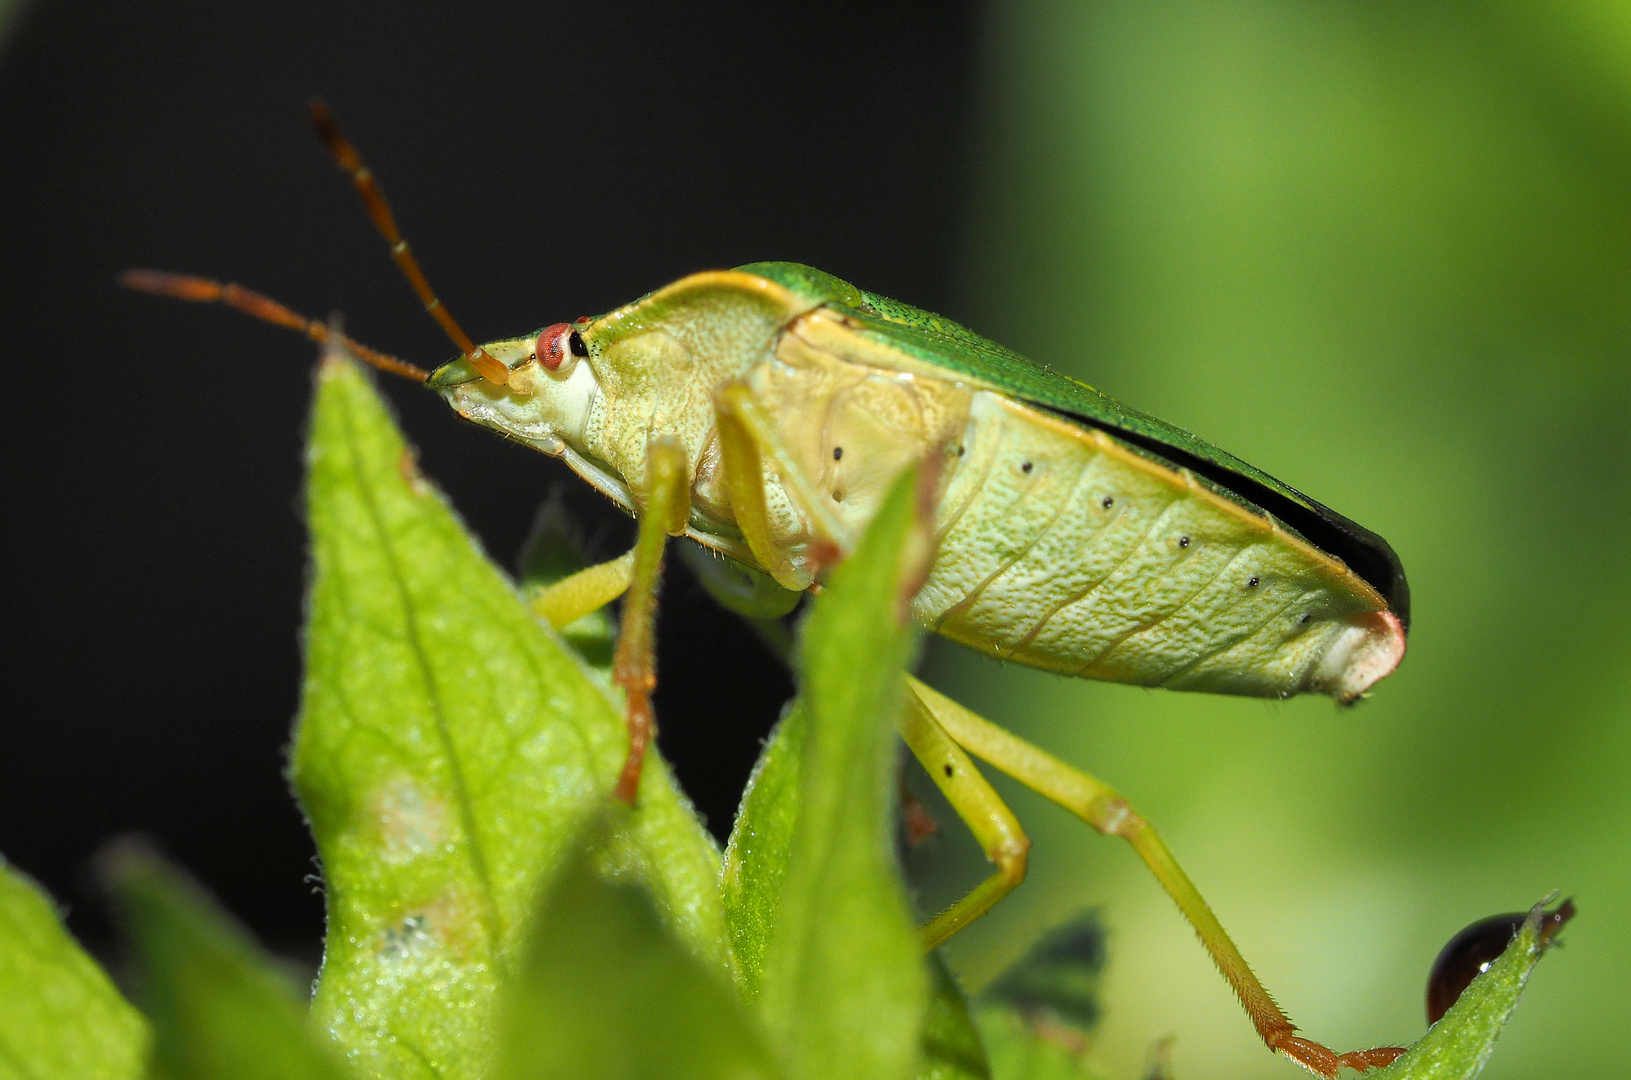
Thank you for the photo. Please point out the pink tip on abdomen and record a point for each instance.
(1362, 655)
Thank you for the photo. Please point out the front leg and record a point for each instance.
(747, 439)
(634, 665)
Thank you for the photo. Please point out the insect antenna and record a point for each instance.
(373, 200)
(204, 291)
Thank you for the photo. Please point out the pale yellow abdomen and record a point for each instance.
(1066, 550)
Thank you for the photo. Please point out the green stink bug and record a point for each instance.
(1072, 538)
(764, 411)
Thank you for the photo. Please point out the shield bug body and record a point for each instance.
(764, 411)
(1075, 535)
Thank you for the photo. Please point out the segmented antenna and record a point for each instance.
(345, 155)
(204, 291)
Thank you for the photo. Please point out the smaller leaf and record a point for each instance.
(221, 1008)
(1018, 1052)
(952, 1049)
(1457, 1047)
(760, 844)
(1056, 983)
(755, 865)
(60, 1015)
(1036, 1017)
(605, 992)
(844, 989)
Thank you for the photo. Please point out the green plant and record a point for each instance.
(493, 913)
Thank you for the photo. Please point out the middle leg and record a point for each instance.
(982, 810)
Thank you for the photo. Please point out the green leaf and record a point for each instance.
(1056, 983)
(605, 992)
(1019, 1052)
(1036, 1017)
(952, 1048)
(221, 1009)
(448, 750)
(1457, 1047)
(755, 866)
(60, 1016)
(844, 985)
(761, 842)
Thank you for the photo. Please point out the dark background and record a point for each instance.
(546, 161)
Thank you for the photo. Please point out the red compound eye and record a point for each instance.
(551, 347)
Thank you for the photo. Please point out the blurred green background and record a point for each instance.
(1382, 250)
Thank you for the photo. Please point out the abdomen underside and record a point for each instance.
(1065, 550)
(1062, 548)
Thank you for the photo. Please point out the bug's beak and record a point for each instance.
(451, 374)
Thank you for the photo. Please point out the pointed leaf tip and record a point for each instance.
(604, 990)
(844, 986)
(1459, 1045)
(221, 1008)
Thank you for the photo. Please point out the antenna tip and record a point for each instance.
(334, 140)
(164, 283)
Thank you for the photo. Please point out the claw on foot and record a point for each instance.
(1325, 1062)
(1379, 1057)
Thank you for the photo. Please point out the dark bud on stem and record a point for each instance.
(1475, 948)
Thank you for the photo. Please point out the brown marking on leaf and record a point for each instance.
(409, 821)
(449, 923)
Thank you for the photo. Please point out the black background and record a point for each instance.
(546, 162)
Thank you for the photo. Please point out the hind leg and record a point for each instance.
(1101, 807)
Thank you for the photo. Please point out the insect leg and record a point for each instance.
(634, 665)
(746, 436)
(590, 589)
(981, 809)
(744, 483)
(1101, 807)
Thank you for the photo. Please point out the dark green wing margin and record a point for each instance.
(944, 343)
